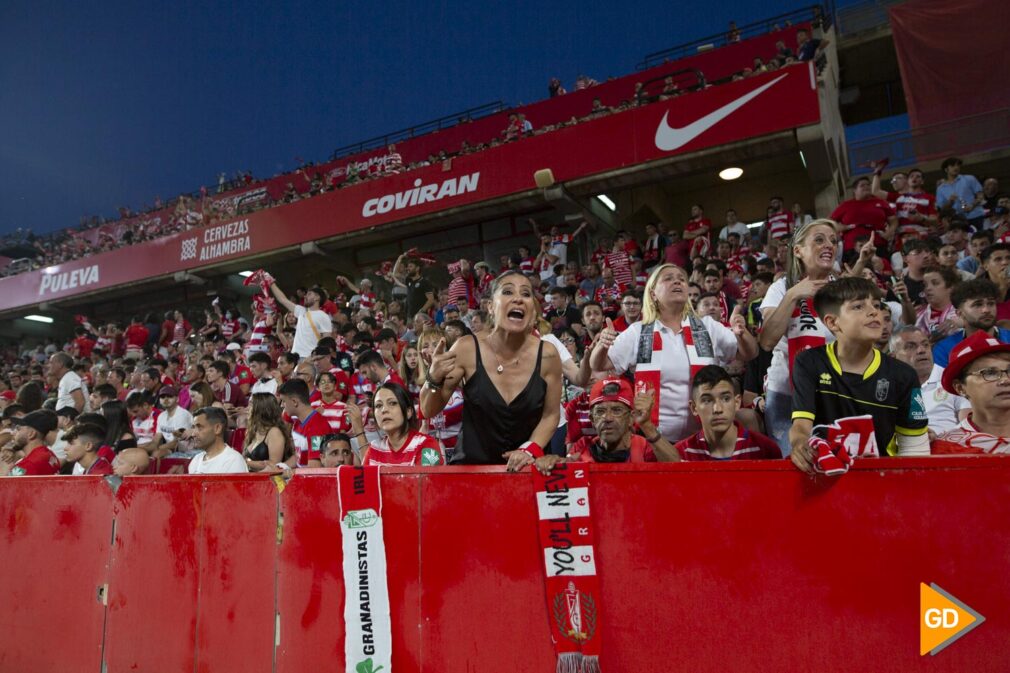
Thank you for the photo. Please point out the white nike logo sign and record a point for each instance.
(669, 138)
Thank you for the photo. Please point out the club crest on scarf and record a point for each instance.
(575, 614)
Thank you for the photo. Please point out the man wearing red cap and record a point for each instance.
(979, 370)
(611, 403)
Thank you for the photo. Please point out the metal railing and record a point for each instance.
(421, 129)
(818, 15)
(977, 133)
(863, 16)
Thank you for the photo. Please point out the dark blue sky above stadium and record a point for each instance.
(108, 104)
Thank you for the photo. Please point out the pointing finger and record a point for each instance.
(610, 324)
(440, 348)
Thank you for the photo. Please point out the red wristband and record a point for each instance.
(533, 449)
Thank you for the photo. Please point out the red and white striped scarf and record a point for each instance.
(573, 590)
(700, 353)
(803, 332)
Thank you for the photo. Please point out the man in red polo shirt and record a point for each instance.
(30, 432)
(865, 215)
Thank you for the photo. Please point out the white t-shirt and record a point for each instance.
(167, 427)
(228, 461)
(778, 372)
(565, 357)
(270, 386)
(737, 228)
(675, 419)
(305, 338)
(68, 384)
(941, 407)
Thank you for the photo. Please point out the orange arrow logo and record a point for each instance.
(942, 619)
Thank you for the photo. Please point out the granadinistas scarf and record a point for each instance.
(573, 592)
(368, 643)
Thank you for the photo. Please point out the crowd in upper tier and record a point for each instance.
(877, 331)
(245, 194)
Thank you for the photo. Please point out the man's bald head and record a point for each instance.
(130, 461)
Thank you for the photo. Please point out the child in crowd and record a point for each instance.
(715, 401)
(850, 378)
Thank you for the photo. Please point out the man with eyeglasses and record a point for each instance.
(611, 401)
(631, 311)
(979, 370)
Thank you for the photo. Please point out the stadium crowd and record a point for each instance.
(245, 194)
(877, 331)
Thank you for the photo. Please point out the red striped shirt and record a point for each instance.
(335, 413)
(419, 449)
(749, 446)
(780, 225)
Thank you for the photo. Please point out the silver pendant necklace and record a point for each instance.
(500, 368)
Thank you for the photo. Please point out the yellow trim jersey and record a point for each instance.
(888, 390)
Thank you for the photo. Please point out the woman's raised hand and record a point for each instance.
(442, 362)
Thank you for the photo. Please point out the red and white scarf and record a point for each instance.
(803, 332)
(838, 444)
(700, 353)
(367, 630)
(573, 591)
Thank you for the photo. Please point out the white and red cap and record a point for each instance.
(966, 352)
(613, 389)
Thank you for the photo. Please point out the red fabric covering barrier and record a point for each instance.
(953, 58)
(800, 573)
(787, 99)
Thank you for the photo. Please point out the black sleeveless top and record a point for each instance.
(259, 452)
(491, 427)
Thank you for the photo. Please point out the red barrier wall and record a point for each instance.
(702, 568)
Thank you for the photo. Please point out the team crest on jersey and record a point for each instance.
(317, 442)
(18, 471)
(917, 411)
(939, 395)
(825, 379)
(429, 456)
(883, 386)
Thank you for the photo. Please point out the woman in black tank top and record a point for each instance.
(511, 382)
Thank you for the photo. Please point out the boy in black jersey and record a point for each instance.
(850, 378)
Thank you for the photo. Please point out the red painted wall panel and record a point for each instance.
(154, 580)
(55, 544)
(702, 567)
(238, 573)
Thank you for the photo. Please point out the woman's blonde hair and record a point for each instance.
(650, 311)
(796, 270)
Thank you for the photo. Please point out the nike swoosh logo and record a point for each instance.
(669, 138)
